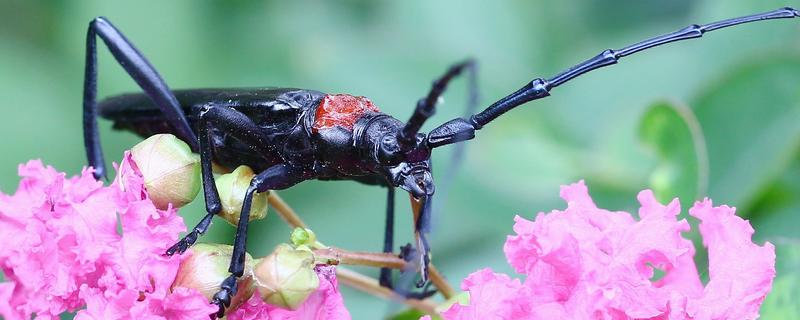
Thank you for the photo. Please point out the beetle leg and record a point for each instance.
(388, 237)
(458, 150)
(426, 106)
(422, 226)
(279, 176)
(210, 193)
(137, 66)
(457, 156)
(240, 127)
(409, 253)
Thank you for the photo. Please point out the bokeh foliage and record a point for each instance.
(619, 128)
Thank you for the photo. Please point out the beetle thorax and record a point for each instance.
(343, 126)
(342, 110)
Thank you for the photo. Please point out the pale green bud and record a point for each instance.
(206, 265)
(286, 277)
(303, 236)
(170, 170)
(232, 188)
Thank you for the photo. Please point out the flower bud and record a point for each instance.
(170, 170)
(206, 266)
(232, 188)
(304, 237)
(286, 277)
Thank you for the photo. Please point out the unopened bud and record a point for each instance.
(286, 277)
(303, 237)
(232, 188)
(170, 170)
(207, 266)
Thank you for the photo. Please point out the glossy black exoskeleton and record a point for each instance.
(292, 135)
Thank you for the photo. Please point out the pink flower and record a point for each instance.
(324, 304)
(589, 263)
(70, 243)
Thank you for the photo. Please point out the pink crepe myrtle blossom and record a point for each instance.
(590, 263)
(71, 244)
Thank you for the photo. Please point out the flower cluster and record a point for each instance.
(589, 263)
(71, 244)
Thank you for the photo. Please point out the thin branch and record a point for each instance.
(440, 282)
(342, 256)
(332, 255)
(371, 286)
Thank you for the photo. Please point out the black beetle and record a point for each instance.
(292, 135)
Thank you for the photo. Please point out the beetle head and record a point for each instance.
(403, 165)
(407, 169)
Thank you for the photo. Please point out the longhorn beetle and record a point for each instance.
(292, 135)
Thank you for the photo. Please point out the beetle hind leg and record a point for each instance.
(137, 66)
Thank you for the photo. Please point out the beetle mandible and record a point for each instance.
(292, 135)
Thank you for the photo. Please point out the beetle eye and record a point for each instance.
(389, 151)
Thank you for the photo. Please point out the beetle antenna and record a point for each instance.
(426, 107)
(460, 129)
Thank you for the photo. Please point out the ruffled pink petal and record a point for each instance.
(740, 272)
(492, 296)
(589, 263)
(7, 303)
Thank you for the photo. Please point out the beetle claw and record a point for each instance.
(223, 297)
(422, 295)
(181, 246)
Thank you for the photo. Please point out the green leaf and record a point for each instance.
(751, 136)
(674, 134)
(781, 303)
(776, 212)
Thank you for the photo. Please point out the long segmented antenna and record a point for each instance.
(457, 130)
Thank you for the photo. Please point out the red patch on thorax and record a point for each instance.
(341, 110)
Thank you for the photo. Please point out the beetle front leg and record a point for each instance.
(388, 237)
(422, 226)
(426, 106)
(279, 176)
(457, 157)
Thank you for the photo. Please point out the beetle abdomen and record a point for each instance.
(280, 112)
(275, 109)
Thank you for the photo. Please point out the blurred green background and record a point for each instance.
(717, 117)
